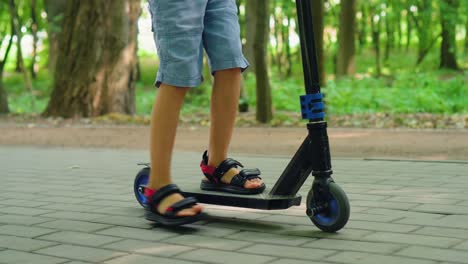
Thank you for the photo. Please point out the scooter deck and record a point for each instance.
(263, 200)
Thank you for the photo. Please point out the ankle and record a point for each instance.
(156, 185)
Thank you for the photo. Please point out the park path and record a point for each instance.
(71, 205)
(358, 143)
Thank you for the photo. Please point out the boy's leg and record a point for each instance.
(164, 120)
(221, 39)
(224, 105)
(178, 27)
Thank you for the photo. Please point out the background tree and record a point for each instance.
(96, 74)
(346, 36)
(448, 21)
(264, 102)
(317, 13)
(16, 25)
(3, 58)
(55, 10)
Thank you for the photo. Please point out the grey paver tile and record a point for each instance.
(412, 239)
(21, 203)
(137, 233)
(403, 213)
(80, 253)
(198, 228)
(140, 259)
(295, 261)
(224, 257)
(23, 210)
(69, 207)
(270, 238)
(366, 197)
(373, 217)
(208, 242)
(124, 211)
(367, 258)
(387, 205)
(22, 219)
(63, 199)
(134, 221)
(442, 209)
(424, 199)
(73, 215)
(65, 224)
(24, 231)
(438, 254)
(22, 243)
(77, 262)
(444, 232)
(79, 238)
(13, 256)
(451, 221)
(313, 232)
(377, 226)
(346, 245)
(462, 246)
(148, 247)
(287, 251)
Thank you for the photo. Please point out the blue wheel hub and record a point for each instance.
(140, 183)
(330, 215)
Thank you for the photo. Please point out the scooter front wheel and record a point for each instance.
(331, 215)
(141, 180)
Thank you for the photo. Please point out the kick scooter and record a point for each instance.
(327, 204)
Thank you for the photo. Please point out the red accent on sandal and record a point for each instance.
(170, 209)
(207, 169)
(149, 192)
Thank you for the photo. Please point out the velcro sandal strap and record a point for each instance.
(183, 204)
(226, 165)
(163, 193)
(244, 175)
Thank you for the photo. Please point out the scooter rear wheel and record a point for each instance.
(141, 180)
(334, 214)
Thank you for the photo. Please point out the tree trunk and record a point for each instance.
(317, 16)
(363, 27)
(55, 10)
(375, 24)
(346, 46)
(409, 28)
(448, 11)
(17, 30)
(264, 102)
(250, 25)
(288, 51)
(4, 109)
(466, 33)
(34, 28)
(423, 26)
(102, 65)
(389, 36)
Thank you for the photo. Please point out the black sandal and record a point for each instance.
(214, 175)
(169, 218)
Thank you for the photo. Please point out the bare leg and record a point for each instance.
(224, 103)
(164, 120)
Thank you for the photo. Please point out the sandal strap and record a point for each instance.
(163, 192)
(180, 205)
(224, 166)
(244, 175)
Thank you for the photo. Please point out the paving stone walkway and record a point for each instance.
(77, 206)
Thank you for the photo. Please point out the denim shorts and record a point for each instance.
(183, 28)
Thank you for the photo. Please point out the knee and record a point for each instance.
(232, 71)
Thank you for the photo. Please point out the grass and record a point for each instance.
(406, 90)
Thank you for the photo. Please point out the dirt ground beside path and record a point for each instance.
(356, 143)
